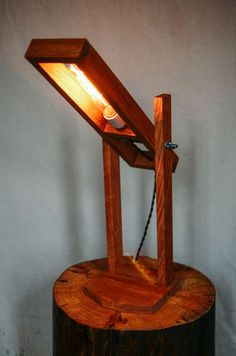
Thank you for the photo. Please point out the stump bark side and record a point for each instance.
(183, 326)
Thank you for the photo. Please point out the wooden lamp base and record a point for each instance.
(132, 289)
(182, 325)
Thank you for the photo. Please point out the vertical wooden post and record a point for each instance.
(111, 166)
(163, 171)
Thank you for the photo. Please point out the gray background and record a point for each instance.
(51, 181)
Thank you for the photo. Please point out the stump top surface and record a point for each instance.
(193, 298)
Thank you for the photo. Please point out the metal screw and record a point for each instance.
(170, 146)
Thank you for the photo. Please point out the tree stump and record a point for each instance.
(183, 325)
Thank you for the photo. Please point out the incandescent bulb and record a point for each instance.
(108, 112)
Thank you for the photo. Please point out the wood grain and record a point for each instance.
(163, 169)
(119, 98)
(194, 297)
(183, 326)
(111, 166)
(48, 56)
(132, 289)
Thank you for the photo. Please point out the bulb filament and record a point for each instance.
(108, 112)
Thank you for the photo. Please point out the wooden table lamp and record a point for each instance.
(119, 294)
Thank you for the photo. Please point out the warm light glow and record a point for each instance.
(115, 120)
(146, 273)
(78, 87)
(86, 84)
(65, 80)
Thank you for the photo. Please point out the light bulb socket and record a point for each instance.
(113, 118)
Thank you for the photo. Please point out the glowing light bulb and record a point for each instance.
(87, 85)
(108, 112)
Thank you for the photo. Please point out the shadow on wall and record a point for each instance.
(185, 192)
(73, 203)
(225, 309)
(33, 323)
(190, 188)
(83, 194)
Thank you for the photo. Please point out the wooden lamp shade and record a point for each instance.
(49, 57)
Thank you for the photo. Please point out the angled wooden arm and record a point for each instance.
(51, 58)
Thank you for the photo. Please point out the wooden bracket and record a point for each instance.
(163, 171)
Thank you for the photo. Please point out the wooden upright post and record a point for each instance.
(163, 170)
(111, 165)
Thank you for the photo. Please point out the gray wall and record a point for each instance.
(51, 182)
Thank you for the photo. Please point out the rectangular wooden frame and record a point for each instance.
(140, 128)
